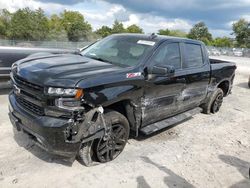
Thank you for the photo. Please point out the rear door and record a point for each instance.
(196, 69)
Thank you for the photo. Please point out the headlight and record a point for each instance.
(77, 93)
(68, 104)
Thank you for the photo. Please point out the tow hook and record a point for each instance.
(107, 127)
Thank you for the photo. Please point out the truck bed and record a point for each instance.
(222, 70)
(218, 64)
(217, 61)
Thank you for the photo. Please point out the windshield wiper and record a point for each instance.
(104, 60)
(98, 59)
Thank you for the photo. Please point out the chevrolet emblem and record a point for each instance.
(17, 90)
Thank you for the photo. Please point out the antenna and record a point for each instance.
(153, 35)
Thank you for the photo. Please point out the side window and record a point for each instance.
(168, 54)
(193, 55)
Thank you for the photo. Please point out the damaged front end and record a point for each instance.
(87, 126)
(59, 136)
(58, 122)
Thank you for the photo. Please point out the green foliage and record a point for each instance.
(104, 31)
(134, 29)
(200, 32)
(5, 17)
(26, 24)
(75, 25)
(56, 29)
(40, 24)
(2, 29)
(164, 32)
(178, 33)
(222, 42)
(29, 25)
(241, 30)
(118, 27)
(21, 25)
(175, 33)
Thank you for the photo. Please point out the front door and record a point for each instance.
(161, 93)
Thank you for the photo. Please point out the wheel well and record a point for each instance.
(119, 107)
(224, 86)
(126, 108)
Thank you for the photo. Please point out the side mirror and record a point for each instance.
(161, 70)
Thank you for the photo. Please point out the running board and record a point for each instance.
(170, 121)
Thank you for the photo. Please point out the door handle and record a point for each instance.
(181, 80)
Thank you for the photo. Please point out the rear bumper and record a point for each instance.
(47, 132)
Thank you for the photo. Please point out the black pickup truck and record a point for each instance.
(87, 105)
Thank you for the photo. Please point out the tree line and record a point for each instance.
(27, 24)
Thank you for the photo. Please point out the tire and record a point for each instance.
(85, 155)
(119, 137)
(101, 150)
(214, 103)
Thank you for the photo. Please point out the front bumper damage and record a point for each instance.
(59, 136)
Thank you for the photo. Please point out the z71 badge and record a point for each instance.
(132, 75)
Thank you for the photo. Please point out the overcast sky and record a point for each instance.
(151, 15)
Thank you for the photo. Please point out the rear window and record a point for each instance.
(193, 55)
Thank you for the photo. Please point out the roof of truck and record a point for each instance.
(158, 38)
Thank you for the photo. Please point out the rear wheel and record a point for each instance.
(105, 150)
(214, 103)
(217, 102)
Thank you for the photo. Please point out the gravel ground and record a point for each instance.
(206, 151)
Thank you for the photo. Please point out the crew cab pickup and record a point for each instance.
(87, 105)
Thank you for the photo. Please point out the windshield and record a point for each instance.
(120, 50)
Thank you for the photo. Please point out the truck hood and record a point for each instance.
(63, 70)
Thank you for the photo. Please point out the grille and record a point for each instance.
(30, 106)
(20, 81)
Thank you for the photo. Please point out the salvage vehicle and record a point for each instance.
(215, 52)
(9, 55)
(237, 53)
(87, 105)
